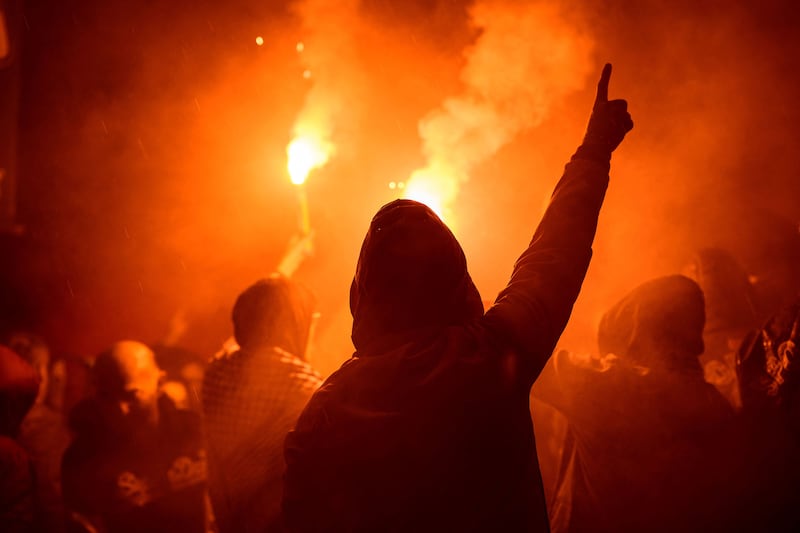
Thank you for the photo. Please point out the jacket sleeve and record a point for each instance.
(530, 314)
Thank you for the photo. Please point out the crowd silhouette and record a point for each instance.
(685, 417)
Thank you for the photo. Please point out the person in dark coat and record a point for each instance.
(427, 426)
(769, 373)
(43, 433)
(252, 398)
(136, 463)
(644, 428)
(19, 386)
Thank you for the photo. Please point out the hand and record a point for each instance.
(610, 121)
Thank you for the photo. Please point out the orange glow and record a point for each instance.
(259, 40)
(306, 153)
(432, 189)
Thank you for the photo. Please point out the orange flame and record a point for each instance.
(305, 153)
(435, 188)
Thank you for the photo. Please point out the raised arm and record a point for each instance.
(532, 311)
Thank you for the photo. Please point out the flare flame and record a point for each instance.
(305, 153)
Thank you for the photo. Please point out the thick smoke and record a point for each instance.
(526, 59)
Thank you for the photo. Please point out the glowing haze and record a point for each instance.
(526, 59)
(713, 92)
(324, 46)
(305, 153)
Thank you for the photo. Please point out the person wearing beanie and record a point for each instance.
(427, 427)
(252, 398)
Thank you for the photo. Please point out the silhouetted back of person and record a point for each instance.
(641, 450)
(136, 462)
(427, 427)
(19, 385)
(252, 398)
(44, 433)
(731, 313)
(769, 373)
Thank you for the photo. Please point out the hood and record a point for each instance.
(275, 311)
(411, 278)
(19, 386)
(658, 324)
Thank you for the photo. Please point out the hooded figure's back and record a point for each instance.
(427, 427)
(252, 398)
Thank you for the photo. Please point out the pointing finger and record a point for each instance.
(602, 85)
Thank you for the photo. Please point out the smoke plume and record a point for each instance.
(327, 52)
(526, 59)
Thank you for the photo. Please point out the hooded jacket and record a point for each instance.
(644, 428)
(427, 426)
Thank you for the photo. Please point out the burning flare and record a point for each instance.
(305, 153)
(434, 187)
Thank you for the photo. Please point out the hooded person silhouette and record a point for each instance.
(427, 426)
